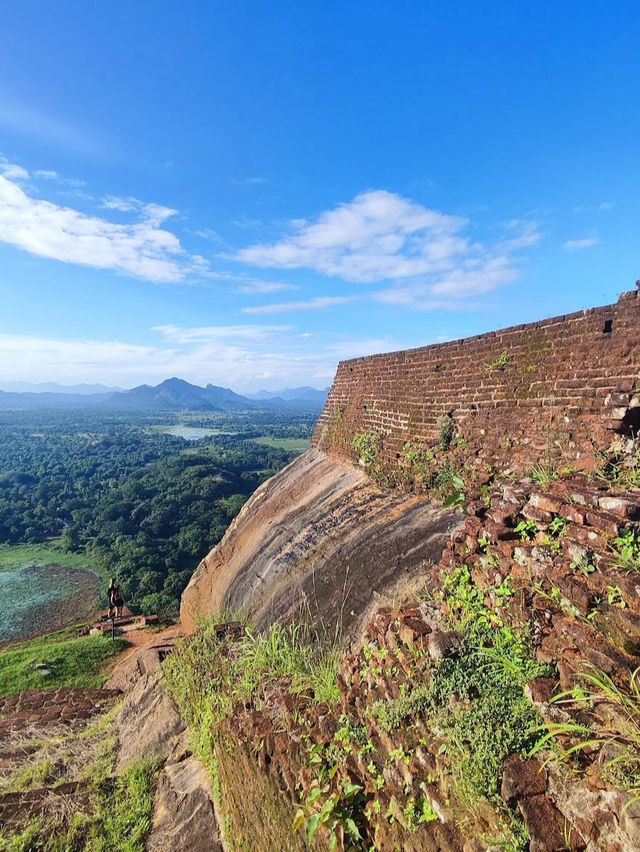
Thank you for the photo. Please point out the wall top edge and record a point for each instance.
(623, 301)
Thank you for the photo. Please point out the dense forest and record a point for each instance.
(144, 505)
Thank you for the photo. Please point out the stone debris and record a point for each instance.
(48, 708)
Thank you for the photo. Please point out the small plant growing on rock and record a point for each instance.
(620, 468)
(451, 485)
(558, 526)
(584, 565)
(483, 543)
(446, 431)
(615, 597)
(526, 530)
(367, 445)
(418, 811)
(543, 475)
(626, 549)
(417, 461)
(336, 811)
(500, 363)
(457, 496)
(617, 731)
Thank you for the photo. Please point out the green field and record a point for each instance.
(295, 445)
(15, 555)
(59, 659)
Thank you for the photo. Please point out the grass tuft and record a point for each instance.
(613, 728)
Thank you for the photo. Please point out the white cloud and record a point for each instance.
(523, 234)
(209, 234)
(594, 208)
(585, 242)
(49, 174)
(141, 249)
(250, 286)
(155, 213)
(12, 171)
(449, 290)
(257, 287)
(318, 303)
(380, 236)
(244, 359)
(202, 334)
(124, 205)
(250, 181)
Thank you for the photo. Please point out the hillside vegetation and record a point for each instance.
(133, 501)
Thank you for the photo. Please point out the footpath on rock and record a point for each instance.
(70, 757)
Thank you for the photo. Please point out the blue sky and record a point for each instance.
(245, 193)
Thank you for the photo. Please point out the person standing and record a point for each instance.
(116, 600)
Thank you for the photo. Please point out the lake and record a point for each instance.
(192, 433)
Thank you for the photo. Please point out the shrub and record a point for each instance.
(366, 444)
(446, 431)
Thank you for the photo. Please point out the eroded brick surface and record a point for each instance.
(581, 607)
(43, 708)
(560, 386)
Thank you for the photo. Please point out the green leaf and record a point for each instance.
(350, 789)
(352, 829)
(328, 807)
(313, 795)
(453, 499)
(312, 827)
(298, 820)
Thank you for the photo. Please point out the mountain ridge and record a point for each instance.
(173, 394)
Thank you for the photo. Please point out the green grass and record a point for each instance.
(123, 818)
(208, 680)
(475, 698)
(207, 684)
(296, 445)
(14, 555)
(71, 660)
(617, 729)
(120, 820)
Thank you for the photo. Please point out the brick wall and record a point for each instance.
(560, 388)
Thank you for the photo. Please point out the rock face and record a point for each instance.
(149, 723)
(518, 417)
(316, 543)
(183, 816)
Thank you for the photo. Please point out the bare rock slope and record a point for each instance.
(318, 542)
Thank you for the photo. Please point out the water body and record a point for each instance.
(192, 433)
(36, 599)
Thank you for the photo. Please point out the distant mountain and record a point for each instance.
(29, 401)
(178, 395)
(171, 395)
(54, 387)
(302, 394)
